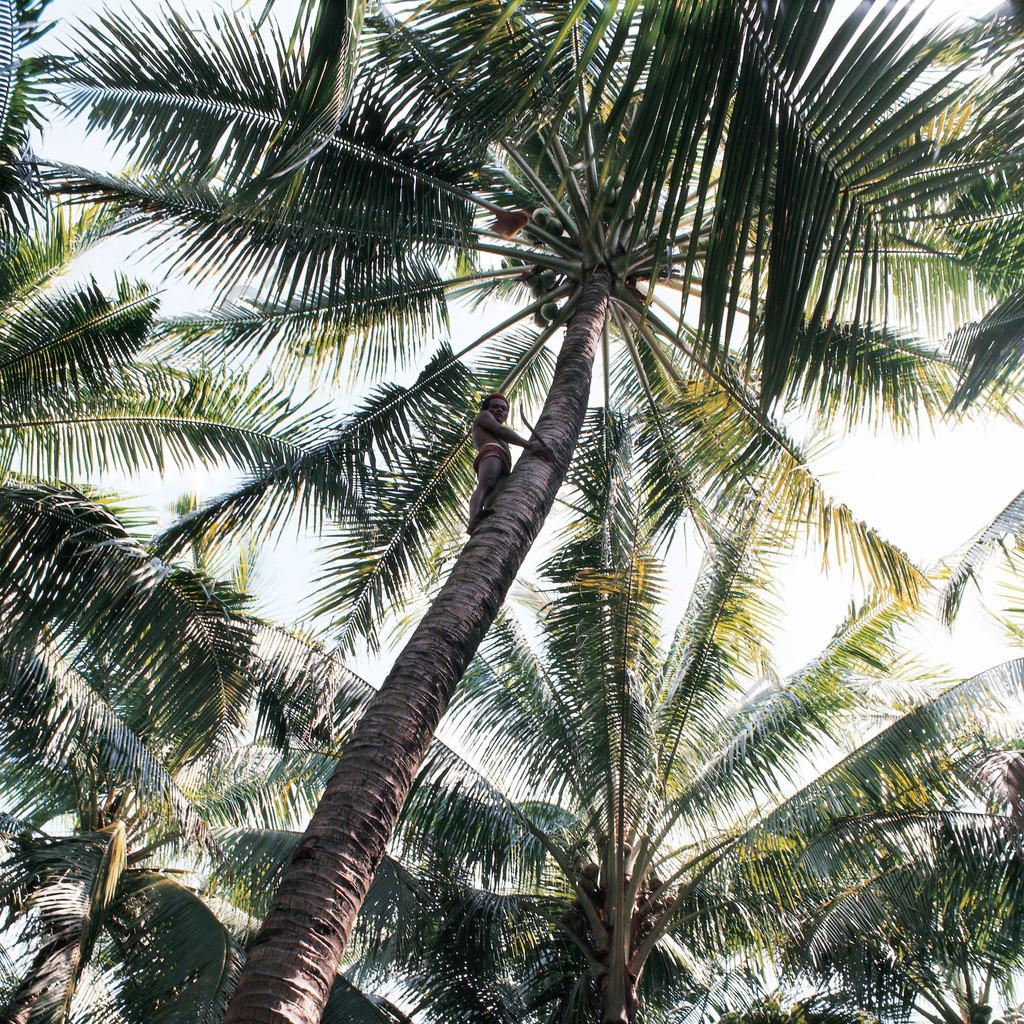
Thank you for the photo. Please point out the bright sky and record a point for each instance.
(929, 494)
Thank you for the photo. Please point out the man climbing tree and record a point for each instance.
(493, 461)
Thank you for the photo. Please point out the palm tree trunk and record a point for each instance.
(292, 962)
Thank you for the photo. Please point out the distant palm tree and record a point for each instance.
(632, 817)
(938, 931)
(723, 196)
(147, 725)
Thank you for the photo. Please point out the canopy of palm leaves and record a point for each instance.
(742, 201)
(772, 212)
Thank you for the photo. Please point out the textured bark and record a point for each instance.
(292, 962)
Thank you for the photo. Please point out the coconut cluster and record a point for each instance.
(651, 901)
(612, 200)
(542, 282)
(543, 223)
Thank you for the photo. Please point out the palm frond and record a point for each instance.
(908, 762)
(70, 568)
(348, 1004)
(1008, 524)
(78, 339)
(174, 960)
(69, 887)
(151, 416)
(54, 720)
(334, 476)
(988, 351)
(763, 744)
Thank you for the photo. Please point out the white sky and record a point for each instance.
(929, 495)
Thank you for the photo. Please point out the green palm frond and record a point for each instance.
(870, 375)
(393, 183)
(909, 761)
(763, 745)
(73, 340)
(334, 473)
(456, 818)
(390, 320)
(604, 631)
(173, 960)
(511, 66)
(509, 692)
(256, 857)
(151, 416)
(348, 1004)
(54, 718)
(712, 444)
(353, 268)
(917, 924)
(1006, 526)
(25, 90)
(324, 92)
(721, 638)
(988, 350)
(40, 255)
(71, 569)
(370, 566)
(68, 888)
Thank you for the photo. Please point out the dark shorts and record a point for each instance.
(490, 450)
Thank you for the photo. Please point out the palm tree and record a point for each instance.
(789, 176)
(149, 724)
(641, 809)
(937, 931)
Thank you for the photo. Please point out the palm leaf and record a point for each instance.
(194, 972)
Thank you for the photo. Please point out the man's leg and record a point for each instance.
(488, 476)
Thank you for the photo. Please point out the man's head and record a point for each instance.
(497, 405)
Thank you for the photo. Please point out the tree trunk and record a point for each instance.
(292, 962)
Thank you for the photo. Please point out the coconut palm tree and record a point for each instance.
(738, 197)
(936, 929)
(147, 721)
(623, 820)
(937, 932)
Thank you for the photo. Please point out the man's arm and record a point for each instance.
(486, 421)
